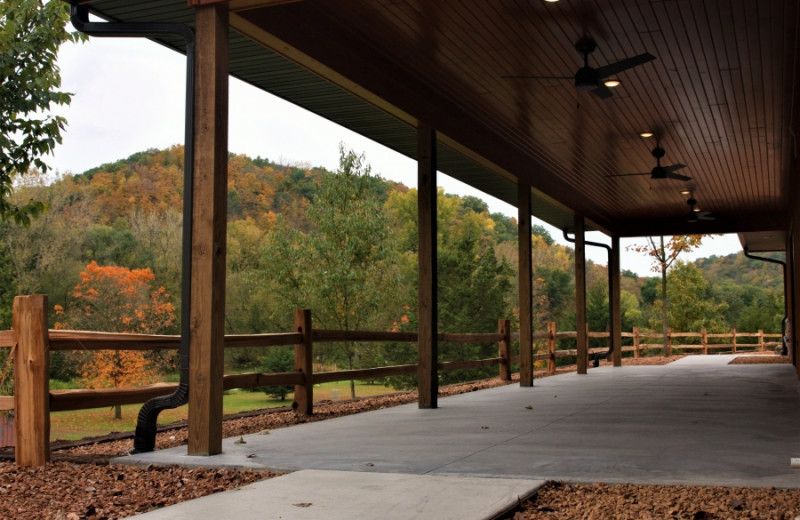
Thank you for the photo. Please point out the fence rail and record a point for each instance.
(77, 399)
(304, 378)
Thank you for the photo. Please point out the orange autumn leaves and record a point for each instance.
(117, 299)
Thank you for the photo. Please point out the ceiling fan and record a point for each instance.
(660, 172)
(695, 214)
(591, 79)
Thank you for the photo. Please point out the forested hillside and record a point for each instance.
(340, 243)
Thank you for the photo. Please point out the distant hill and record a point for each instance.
(128, 212)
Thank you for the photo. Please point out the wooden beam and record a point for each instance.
(580, 293)
(209, 228)
(428, 345)
(31, 381)
(614, 294)
(525, 285)
(240, 5)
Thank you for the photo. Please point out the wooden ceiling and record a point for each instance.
(720, 95)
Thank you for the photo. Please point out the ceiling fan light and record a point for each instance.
(646, 135)
(611, 83)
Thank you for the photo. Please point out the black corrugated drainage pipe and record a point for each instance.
(146, 425)
(784, 347)
(602, 355)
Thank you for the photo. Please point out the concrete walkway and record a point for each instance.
(696, 421)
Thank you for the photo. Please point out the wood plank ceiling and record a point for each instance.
(720, 96)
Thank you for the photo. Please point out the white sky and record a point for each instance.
(129, 97)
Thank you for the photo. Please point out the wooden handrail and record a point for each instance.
(61, 340)
(364, 373)
(7, 338)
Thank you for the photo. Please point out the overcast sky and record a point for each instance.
(129, 97)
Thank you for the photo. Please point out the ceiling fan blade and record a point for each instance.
(627, 174)
(603, 92)
(705, 215)
(674, 167)
(677, 176)
(628, 63)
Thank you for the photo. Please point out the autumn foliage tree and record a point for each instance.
(663, 255)
(117, 299)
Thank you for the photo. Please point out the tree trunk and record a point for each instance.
(117, 412)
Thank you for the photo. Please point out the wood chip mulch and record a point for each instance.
(80, 484)
(560, 501)
(763, 359)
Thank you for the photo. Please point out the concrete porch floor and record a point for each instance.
(697, 421)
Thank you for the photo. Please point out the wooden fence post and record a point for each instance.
(733, 335)
(551, 347)
(761, 346)
(31, 380)
(636, 352)
(303, 362)
(704, 340)
(504, 328)
(669, 341)
(588, 346)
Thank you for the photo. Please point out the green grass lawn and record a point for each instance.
(78, 424)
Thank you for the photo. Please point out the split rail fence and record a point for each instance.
(31, 341)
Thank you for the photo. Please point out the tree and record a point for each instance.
(343, 267)
(474, 288)
(693, 307)
(278, 359)
(30, 35)
(117, 299)
(663, 255)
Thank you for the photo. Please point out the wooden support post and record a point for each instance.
(733, 340)
(303, 362)
(615, 304)
(210, 190)
(525, 285)
(504, 347)
(704, 340)
(551, 347)
(761, 345)
(31, 380)
(428, 357)
(580, 294)
(792, 295)
(636, 352)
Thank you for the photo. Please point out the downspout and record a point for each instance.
(602, 355)
(146, 425)
(785, 347)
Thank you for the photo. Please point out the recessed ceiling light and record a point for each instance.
(611, 83)
(685, 192)
(551, 1)
(646, 134)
